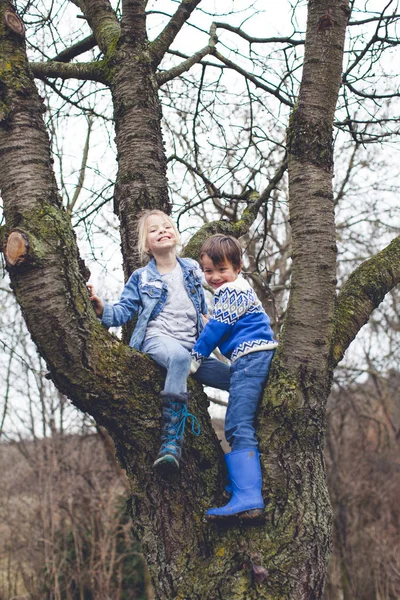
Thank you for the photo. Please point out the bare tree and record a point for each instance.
(286, 556)
(363, 477)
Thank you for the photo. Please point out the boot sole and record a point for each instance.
(167, 465)
(253, 514)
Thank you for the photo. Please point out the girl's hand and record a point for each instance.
(95, 300)
(206, 318)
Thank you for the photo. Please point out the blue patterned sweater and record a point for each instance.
(238, 325)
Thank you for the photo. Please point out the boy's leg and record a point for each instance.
(171, 355)
(248, 377)
(214, 373)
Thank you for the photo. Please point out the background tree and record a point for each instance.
(286, 556)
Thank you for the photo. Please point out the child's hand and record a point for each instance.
(194, 366)
(206, 318)
(95, 300)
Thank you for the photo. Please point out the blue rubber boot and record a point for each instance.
(174, 415)
(245, 478)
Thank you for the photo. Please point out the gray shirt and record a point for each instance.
(178, 319)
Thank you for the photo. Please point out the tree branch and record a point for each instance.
(92, 71)
(82, 170)
(239, 228)
(361, 294)
(185, 65)
(104, 23)
(76, 50)
(253, 79)
(373, 95)
(255, 40)
(161, 44)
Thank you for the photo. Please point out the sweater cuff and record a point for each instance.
(195, 364)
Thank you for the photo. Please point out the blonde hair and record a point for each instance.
(142, 231)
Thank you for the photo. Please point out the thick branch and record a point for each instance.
(104, 23)
(85, 71)
(161, 44)
(76, 50)
(362, 293)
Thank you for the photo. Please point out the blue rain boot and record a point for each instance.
(245, 479)
(174, 415)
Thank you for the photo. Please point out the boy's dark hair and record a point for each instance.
(221, 248)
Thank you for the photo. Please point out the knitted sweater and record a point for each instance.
(238, 325)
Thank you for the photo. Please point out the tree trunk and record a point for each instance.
(141, 180)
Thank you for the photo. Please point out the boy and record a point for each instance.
(241, 329)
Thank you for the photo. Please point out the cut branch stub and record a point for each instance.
(13, 22)
(16, 248)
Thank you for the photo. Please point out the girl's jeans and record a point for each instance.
(248, 377)
(175, 358)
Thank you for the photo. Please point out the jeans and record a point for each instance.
(175, 358)
(248, 377)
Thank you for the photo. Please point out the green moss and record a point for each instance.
(309, 141)
(2, 235)
(107, 65)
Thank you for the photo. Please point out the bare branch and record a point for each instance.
(255, 80)
(82, 170)
(184, 66)
(255, 40)
(161, 44)
(373, 95)
(242, 226)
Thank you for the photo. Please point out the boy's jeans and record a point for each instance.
(174, 357)
(248, 377)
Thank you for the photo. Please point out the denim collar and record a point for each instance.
(155, 275)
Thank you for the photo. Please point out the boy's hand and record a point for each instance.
(194, 366)
(95, 300)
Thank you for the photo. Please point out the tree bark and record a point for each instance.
(141, 180)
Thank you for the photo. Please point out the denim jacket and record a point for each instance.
(145, 294)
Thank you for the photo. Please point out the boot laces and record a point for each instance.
(183, 414)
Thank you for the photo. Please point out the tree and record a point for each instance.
(286, 556)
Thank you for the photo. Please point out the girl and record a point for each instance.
(168, 297)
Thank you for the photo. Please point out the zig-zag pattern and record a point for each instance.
(253, 346)
(196, 356)
(231, 304)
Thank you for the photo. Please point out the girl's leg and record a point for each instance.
(171, 355)
(214, 373)
(248, 377)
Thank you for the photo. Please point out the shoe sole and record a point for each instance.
(253, 514)
(166, 465)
